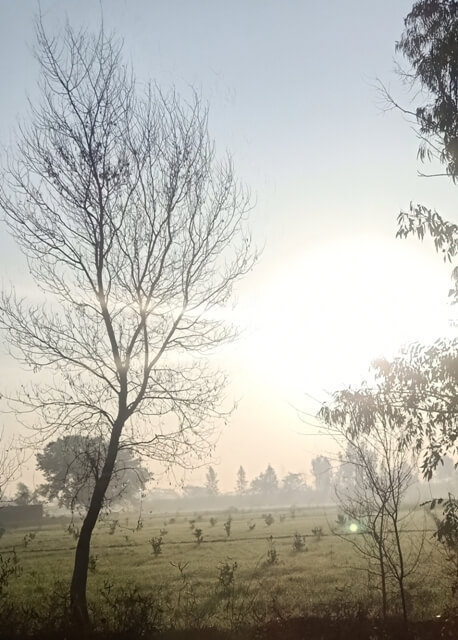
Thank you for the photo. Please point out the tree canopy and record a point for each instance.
(72, 464)
(430, 44)
(266, 482)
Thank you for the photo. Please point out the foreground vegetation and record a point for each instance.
(183, 571)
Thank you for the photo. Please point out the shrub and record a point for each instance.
(92, 564)
(268, 519)
(130, 613)
(317, 532)
(298, 542)
(197, 533)
(9, 568)
(156, 544)
(226, 577)
(27, 539)
(112, 526)
(341, 520)
(227, 526)
(272, 554)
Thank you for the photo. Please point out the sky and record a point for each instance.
(292, 90)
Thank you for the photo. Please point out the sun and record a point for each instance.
(353, 527)
(327, 314)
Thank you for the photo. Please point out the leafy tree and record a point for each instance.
(423, 379)
(72, 464)
(23, 494)
(430, 44)
(242, 483)
(447, 535)
(266, 483)
(322, 472)
(212, 482)
(293, 483)
(345, 478)
(135, 234)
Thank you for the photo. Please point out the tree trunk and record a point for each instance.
(400, 575)
(383, 580)
(382, 565)
(78, 601)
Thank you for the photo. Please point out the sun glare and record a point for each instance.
(327, 315)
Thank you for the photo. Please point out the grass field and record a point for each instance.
(194, 582)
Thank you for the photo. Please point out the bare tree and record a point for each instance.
(242, 483)
(11, 458)
(368, 427)
(135, 234)
(211, 483)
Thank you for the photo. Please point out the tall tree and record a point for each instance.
(242, 483)
(293, 483)
(135, 234)
(423, 379)
(322, 472)
(266, 483)
(211, 482)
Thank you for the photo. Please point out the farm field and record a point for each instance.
(253, 575)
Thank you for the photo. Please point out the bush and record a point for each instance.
(268, 519)
(317, 532)
(226, 577)
(299, 542)
(112, 527)
(197, 533)
(130, 613)
(9, 568)
(28, 538)
(92, 565)
(227, 526)
(156, 544)
(272, 554)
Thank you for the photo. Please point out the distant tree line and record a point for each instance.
(268, 485)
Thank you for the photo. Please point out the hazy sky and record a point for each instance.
(291, 87)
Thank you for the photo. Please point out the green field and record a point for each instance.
(326, 578)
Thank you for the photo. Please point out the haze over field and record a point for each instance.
(291, 89)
